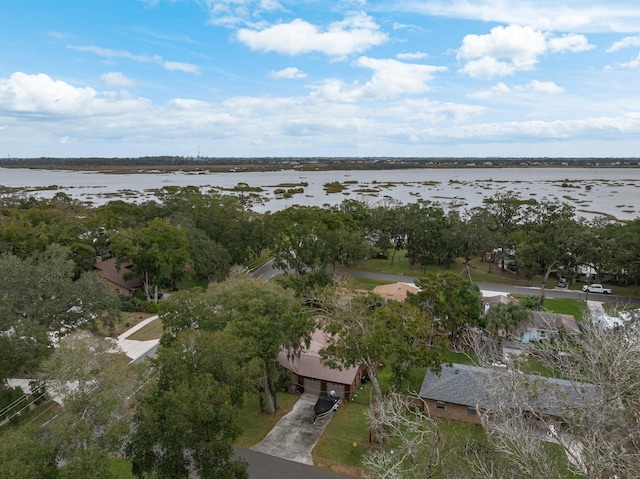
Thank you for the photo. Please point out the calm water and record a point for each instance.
(613, 191)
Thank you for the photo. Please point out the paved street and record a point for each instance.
(264, 466)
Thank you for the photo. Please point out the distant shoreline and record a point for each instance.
(166, 164)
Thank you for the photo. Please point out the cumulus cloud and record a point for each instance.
(541, 86)
(117, 80)
(390, 79)
(41, 95)
(502, 51)
(289, 72)
(626, 42)
(411, 56)
(571, 42)
(157, 59)
(354, 34)
(502, 89)
(633, 63)
(496, 90)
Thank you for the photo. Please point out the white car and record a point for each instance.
(595, 288)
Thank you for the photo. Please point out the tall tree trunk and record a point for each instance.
(267, 391)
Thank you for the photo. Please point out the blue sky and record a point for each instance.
(314, 78)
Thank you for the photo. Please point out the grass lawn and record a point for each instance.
(121, 468)
(36, 416)
(153, 330)
(254, 424)
(574, 307)
(345, 439)
(127, 321)
(367, 283)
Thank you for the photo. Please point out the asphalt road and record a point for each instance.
(267, 271)
(263, 466)
(504, 288)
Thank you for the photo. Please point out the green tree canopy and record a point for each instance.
(185, 419)
(451, 299)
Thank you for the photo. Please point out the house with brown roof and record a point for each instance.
(114, 277)
(311, 375)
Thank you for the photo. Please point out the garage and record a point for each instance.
(312, 386)
(338, 388)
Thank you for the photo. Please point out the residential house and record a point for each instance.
(395, 291)
(541, 325)
(114, 277)
(310, 374)
(461, 392)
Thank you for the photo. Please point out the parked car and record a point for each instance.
(595, 288)
(562, 283)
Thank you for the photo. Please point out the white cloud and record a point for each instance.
(411, 56)
(502, 89)
(41, 95)
(180, 66)
(354, 34)
(487, 67)
(549, 15)
(496, 90)
(625, 43)
(572, 42)
(392, 77)
(501, 52)
(157, 59)
(541, 86)
(117, 80)
(633, 63)
(84, 119)
(289, 72)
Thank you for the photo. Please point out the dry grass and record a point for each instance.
(153, 330)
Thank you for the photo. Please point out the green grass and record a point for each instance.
(573, 307)
(367, 283)
(153, 330)
(121, 468)
(254, 424)
(36, 416)
(345, 439)
(192, 282)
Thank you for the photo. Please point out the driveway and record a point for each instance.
(295, 435)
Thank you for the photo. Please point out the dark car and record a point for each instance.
(563, 283)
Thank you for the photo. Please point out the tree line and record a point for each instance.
(222, 341)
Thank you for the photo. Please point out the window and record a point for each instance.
(471, 411)
(440, 404)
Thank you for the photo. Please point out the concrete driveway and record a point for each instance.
(295, 435)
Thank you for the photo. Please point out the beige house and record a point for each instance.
(395, 291)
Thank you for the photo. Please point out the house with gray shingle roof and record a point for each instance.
(460, 392)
